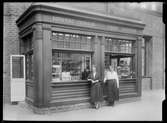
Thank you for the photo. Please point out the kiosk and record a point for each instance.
(59, 43)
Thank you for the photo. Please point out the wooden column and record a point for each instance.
(139, 66)
(102, 56)
(97, 53)
(38, 65)
(42, 64)
(47, 64)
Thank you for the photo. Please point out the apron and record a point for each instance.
(112, 91)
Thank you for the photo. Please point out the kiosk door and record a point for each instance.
(17, 77)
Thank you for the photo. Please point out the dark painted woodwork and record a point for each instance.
(38, 65)
(96, 55)
(102, 56)
(139, 66)
(47, 63)
(40, 20)
(69, 92)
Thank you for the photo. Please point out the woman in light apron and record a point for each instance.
(111, 85)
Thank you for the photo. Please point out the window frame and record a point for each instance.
(86, 54)
(128, 53)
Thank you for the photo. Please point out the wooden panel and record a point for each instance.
(29, 92)
(127, 86)
(66, 93)
(70, 101)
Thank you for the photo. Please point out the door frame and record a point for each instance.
(13, 80)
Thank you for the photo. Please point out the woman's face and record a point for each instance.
(111, 68)
(94, 69)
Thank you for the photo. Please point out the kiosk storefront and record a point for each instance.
(59, 43)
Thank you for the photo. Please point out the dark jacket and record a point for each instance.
(97, 77)
(96, 88)
(85, 75)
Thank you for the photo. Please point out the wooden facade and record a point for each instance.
(38, 23)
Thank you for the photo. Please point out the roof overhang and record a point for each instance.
(92, 16)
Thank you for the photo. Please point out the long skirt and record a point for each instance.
(96, 92)
(112, 90)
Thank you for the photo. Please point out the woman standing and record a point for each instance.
(96, 88)
(112, 85)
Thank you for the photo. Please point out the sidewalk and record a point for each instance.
(149, 108)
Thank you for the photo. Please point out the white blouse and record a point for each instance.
(111, 75)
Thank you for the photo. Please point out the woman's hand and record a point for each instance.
(94, 81)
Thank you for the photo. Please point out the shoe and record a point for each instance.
(111, 103)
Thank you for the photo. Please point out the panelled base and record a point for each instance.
(85, 105)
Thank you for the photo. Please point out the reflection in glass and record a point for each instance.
(69, 65)
(118, 45)
(125, 68)
(72, 41)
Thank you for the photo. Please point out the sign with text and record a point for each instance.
(107, 27)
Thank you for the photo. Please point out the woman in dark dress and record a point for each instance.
(96, 88)
(85, 74)
(112, 85)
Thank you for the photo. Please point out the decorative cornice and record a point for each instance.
(74, 13)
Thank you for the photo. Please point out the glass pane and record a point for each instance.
(124, 66)
(29, 67)
(114, 63)
(118, 46)
(17, 67)
(72, 41)
(69, 65)
(125, 69)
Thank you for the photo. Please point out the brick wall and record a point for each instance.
(10, 42)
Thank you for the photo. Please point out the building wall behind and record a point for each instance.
(154, 28)
(10, 41)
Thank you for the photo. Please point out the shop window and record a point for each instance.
(118, 46)
(123, 65)
(72, 41)
(29, 66)
(28, 51)
(121, 55)
(69, 65)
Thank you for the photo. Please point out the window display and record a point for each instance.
(124, 66)
(69, 65)
(120, 54)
